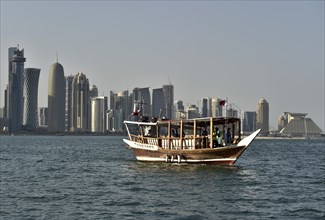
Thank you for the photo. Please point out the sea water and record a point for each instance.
(97, 177)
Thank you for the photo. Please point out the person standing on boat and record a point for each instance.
(228, 136)
(215, 136)
(204, 135)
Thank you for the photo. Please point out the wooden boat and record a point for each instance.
(159, 140)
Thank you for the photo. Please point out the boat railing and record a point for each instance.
(144, 140)
(186, 142)
(177, 143)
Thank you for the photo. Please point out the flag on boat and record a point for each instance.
(136, 112)
(223, 102)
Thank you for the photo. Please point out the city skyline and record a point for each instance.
(241, 50)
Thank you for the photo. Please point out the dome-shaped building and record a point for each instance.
(56, 98)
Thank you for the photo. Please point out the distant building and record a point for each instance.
(120, 106)
(216, 108)
(98, 114)
(168, 101)
(157, 102)
(43, 116)
(6, 102)
(142, 96)
(56, 99)
(68, 103)
(15, 94)
(296, 124)
(231, 112)
(31, 78)
(249, 122)
(179, 110)
(110, 120)
(80, 103)
(192, 112)
(93, 91)
(262, 116)
(205, 107)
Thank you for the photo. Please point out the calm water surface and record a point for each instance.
(87, 177)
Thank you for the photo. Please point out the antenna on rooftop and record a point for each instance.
(57, 57)
(169, 80)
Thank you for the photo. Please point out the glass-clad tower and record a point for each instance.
(68, 101)
(31, 78)
(80, 103)
(15, 93)
(157, 102)
(168, 100)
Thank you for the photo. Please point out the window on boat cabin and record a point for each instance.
(175, 129)
(188, 130)
(134, 129)
(149, 131)
(163, 130)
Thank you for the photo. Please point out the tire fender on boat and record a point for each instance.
(167, 158)
(172, 158)
(178, 158)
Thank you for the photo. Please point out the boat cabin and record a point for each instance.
(199, 133)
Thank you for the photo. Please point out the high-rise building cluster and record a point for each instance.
(21, 94)
(75, 106)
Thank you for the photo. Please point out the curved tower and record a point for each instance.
(56, 98)
(31, 77)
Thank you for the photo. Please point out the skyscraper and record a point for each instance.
(56, 98)
(80, 103)
(43, 116)
(6, 102)
(192, 112)
(119, 103)
(142, 96)
(168, 100)
(206, 107)
(31, 77)
(179, 110)
(216, 108)
(68, 102)
(93, 91)
(15, 93)
(157, 102)
(262, 116)
(249, 122)
(98, 114)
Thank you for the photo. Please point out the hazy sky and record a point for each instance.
(240, 50)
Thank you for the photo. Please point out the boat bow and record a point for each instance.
(248, 140)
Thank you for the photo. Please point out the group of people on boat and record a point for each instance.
(219, 138)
